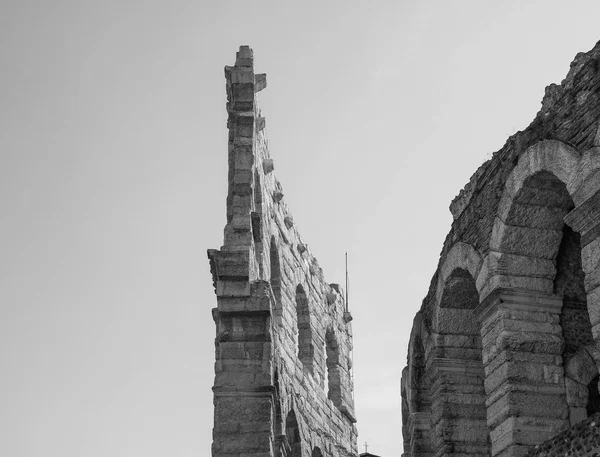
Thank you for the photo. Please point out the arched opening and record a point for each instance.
(569, 284)
(292, 433)
(527, 234)
(256, 225)
(257, 190)
(539, 256)
(305, 343)
(277, 416)
(316, 452)
(418, 397)
(334, 384)
(460, 291)
(461, 427)
(275, 276)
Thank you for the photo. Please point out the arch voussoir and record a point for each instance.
(463, 256)
(550, 156)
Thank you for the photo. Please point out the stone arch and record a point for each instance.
(305, 341)
(316, 452)
(533, 245)
(419, 393)
(292, 433)
(462, 263)
(532, 286)
(459, 416)
(461, 255)
(527, 230)
(334, 381)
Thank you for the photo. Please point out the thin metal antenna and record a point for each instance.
(346, 281)
(347, 319)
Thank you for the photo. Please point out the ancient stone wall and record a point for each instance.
(581, 440)
(504, 353)
(283, 384)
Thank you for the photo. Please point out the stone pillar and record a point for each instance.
(458, 408)
(522, 347)
(244, 394)
(243, 390)
(419, 426)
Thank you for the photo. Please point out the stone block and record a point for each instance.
(592, 279)
(577, 414)
(463, 430)
(581, 367)
(501, 357)
(242, 76)
(590, 256)
(527, 215)
(538, 407)
(457, 341)
(233, 288)
(268, 166)
(520, 265)
(277, 196)
(576, 393)
(260, 82)
(529, 283)
(516, 340)
(241, 204)
(525, 241)
(260, 124)
(458, 321)
(593, 306)
(241, 223)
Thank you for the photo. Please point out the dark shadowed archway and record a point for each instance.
(305, 343)
(292, 432)
(459, 415)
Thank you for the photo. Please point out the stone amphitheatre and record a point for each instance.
(503, 356)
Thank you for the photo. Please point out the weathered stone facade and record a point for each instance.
(504, 353)
(283, 383)
(581, 440)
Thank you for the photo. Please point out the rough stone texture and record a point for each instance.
(581, 440)
(504, 352)
(283, 383)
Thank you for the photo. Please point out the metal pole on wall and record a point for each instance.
(346, 281)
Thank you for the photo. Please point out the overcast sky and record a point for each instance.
(113, 182)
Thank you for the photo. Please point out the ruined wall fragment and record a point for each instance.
(283, 383)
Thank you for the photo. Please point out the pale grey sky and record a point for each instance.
(114, 176)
